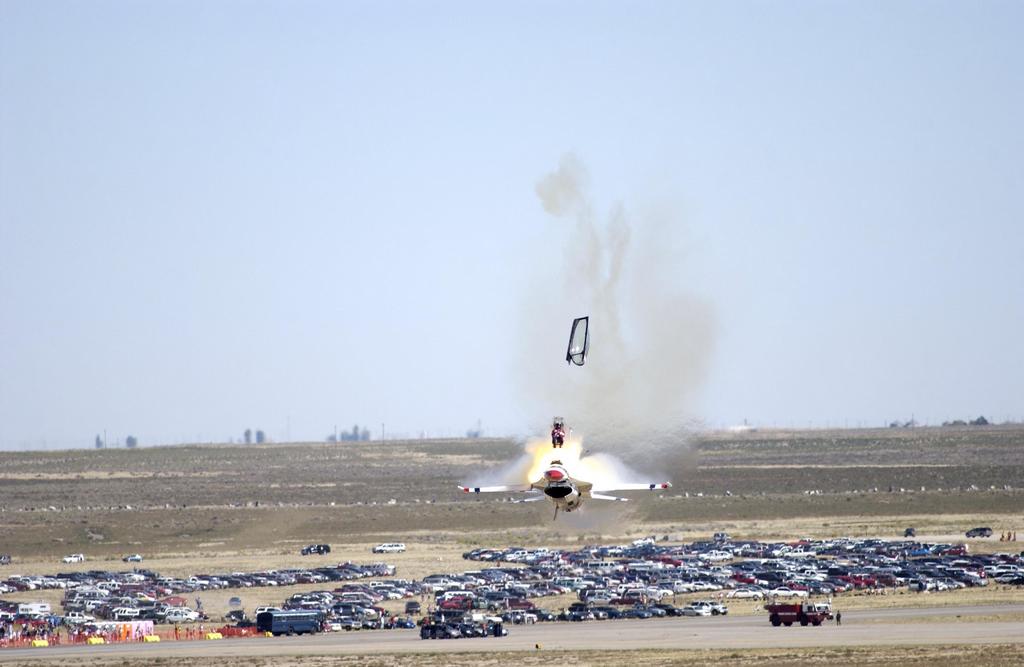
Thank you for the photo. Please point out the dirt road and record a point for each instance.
(860, 628)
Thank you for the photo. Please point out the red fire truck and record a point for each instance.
(801, 612)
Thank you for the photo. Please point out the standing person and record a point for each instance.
(839, 618)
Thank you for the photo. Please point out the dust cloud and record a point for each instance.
(651, 341)
(651, 337)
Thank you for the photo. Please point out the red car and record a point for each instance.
(461, 602)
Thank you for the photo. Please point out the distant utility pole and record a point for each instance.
(382, 431)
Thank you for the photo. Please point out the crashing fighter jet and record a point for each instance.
(565, 492)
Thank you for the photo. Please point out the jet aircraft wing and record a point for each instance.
(531, 499)
(637, 487)
(601, 496)
(508, 488)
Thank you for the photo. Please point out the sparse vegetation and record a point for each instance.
(247, 498)
(251, 507)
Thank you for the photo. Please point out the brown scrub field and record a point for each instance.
(216, 508)
(270, 499)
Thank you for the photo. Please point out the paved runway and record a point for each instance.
(860, 628)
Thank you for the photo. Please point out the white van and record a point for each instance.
(29, 608)
(389, 548)
(181, 615)
(601, 566)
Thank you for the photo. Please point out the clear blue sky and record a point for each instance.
(291, 215)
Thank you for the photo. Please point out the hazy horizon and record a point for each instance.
(299, 216)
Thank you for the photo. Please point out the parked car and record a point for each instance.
(74, 558)
(440, 631)
(636, 612)
(319, 549)
(717, 608)
(577, 615)
(389, 548)
(77, 617)
(696, 610)
(656, 611)
(669, 609)
(979, 532)
(746, 594)
(609, 611)
(910, 532)
(132, 558)
(181, 615)
(125, 614)
(595, 596)
(5, 559)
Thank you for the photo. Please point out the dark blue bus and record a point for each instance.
(289, 622)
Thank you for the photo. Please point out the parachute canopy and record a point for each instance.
(579, 341)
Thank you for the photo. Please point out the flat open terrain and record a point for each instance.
(267, 499)
(209, 508)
